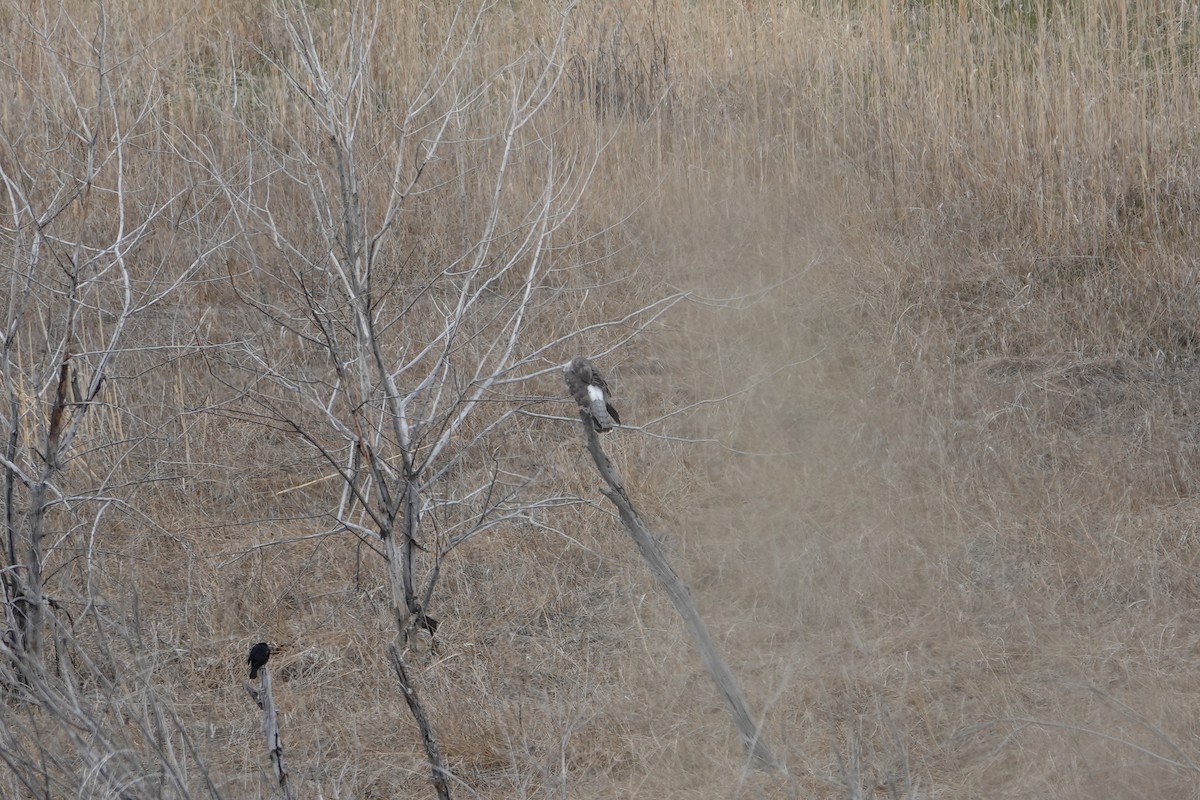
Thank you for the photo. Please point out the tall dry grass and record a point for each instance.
(948, 531)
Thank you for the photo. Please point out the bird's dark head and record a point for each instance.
(581, 367)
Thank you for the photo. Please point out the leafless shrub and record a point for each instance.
(408, 372)
(93, 250)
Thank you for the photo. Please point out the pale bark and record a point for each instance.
(731, 692)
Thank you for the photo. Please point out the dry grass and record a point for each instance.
(949, 533)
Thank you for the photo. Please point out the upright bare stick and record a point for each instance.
(266, 701)
(677, 590)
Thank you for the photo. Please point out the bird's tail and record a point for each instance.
(601, 419)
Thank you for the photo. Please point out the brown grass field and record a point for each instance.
(941, 267)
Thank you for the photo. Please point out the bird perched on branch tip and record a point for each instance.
(259, 655)
(590, 391)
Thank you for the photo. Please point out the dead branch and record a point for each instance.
(266, 701)
(681, 597)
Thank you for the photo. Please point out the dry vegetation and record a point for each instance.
(942, 265)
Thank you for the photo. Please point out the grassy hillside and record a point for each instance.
(940, 271)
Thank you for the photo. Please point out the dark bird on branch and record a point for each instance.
(259, 654)
(590, 391)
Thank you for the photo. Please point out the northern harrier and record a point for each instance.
(590, 391)
(258, 658)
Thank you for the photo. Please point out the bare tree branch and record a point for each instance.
(731, 692)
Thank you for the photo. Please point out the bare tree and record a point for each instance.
(75, 218)
(407, 371)
(78, 210)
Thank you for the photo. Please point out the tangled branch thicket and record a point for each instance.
(286, 292)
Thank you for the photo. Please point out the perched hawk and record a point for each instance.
(590, 391)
